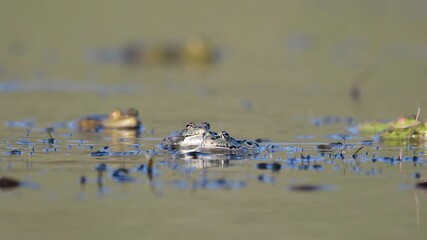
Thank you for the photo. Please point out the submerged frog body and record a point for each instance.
(117, 119)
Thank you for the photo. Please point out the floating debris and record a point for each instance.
(122, 175)
(269, 166)
(421, 185)
(7, 183)
(102, 167)
(51, 140)
(83, 180)
(417, 175)
(309, 188)
(102, 152)
(14, 152)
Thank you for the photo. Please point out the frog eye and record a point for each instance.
(225, 134)
(132, 112)
(190, 125)
(206, 126)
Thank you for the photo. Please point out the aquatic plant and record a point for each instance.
(402, 128)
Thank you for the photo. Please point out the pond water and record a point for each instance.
(288, 73)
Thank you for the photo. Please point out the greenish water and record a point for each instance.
(283, 64)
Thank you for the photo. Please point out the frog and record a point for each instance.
(221, 142)
(122, 120)
(192, 134)
(117, 119)
(408, 131)
(200, 138)
(189, 137)
(199, 50)
(248, 146)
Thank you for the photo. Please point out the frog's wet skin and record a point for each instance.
(200, 138)
(222, 142)
(189, 137)
(117, 119)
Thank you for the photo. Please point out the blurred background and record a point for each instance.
(262, 63)
(258, 69)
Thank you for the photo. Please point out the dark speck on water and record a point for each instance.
(417, 175)
(269, 166)
(421, 185)
(102, 167)
(8, 183)
(141, 168)
(122, 175)
(83, 180)
(15, 152)
(307, 188)
(259, 140)
(101, 152)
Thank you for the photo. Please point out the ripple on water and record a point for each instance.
(212, 184)
(20, 124)
(267, 178)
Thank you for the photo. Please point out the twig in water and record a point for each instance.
(417, 206)
(358, 150)
(418, 113)
(51, 140)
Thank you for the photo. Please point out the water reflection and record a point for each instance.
(127, 158)
(206, 183)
